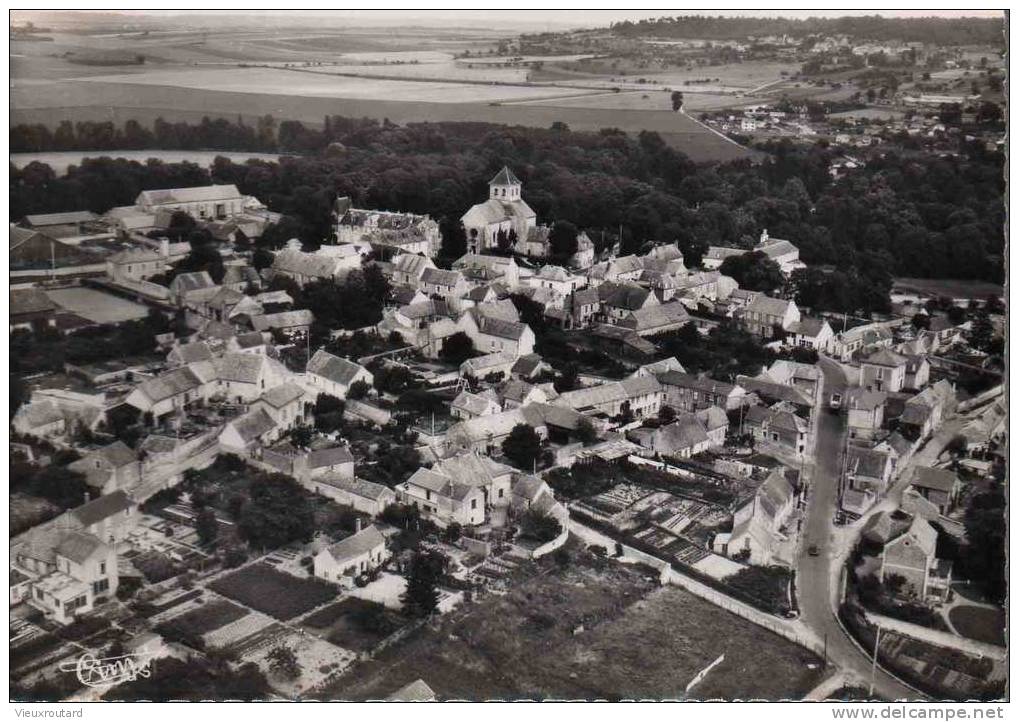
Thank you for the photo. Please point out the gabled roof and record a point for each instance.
(336, 369)
(280, 396)
(192, 352)
(686, 432)
(498, 327)
(319, 458)
(30, 300)
(922, 532)
(656, 317)
(117, 454)
(474, 404)
(925, 477)
(774, 493)
(357, 487)
(441, 277)
(809, 327)
(78, 547)
(193, 281)
(102, 508)
(169, 196)
(885, 357)
(713, 418)
(412, 263)
(240, 367)
(697, 383)
(767, 305)
(60, 219)
(304, 264)
(867, 462)
(505, 177)
(169, 384)
(253, 424)
(357, 544)
(283, 320)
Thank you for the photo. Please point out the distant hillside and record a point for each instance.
(943, 31)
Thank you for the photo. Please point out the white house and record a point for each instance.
(334, 375)
(352, 557)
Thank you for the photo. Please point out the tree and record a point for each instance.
(207, 526)
(358, 390)
(542, 528)
(421, 596)
(563, 240)
(586, 431)
(328, 413)
(19, 392)
(522, 446)
(753, 271)
(283, 662)
(666, 414)
(457, 348)
(984, 558)
(677, 101)
(920, 321)
(278, 513)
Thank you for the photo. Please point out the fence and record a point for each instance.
(937, 637)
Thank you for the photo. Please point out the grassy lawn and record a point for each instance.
(272, 592)
(979, 623)
(356, 624)
(594, 629)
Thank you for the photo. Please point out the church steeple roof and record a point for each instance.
(504, 177)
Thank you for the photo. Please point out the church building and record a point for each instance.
(504, 212)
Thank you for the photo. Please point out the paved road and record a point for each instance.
(814, 573)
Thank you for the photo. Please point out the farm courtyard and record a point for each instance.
(605, 630)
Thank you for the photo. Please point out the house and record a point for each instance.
(918, 372)
(444, 284)
(408, 268)
(303, 268)
(619, 300)
(494, 335)
(482, 270)
(924, 412)
(459, 488)
(868, 470)
(617, 270)
(109, 518)
(192, 289)
(112, 467)
(716, 256)
(213, 202)
(135, 264)
(782, 252)
(485, 434)
(757, 524)
(42, 419)
(31, 250)
(285, 405)
(861, 339)
(883, 370)
(557, 279)
(639, 397)
(938, 486)
(683, 438)
(912, 556)
(291, 325)
(75, 571)
(241, 377)
(469, 406)
(31, 307)
(169, 392)
(416, 691)
(686, 392)
(812, 333)
(189, 353)
(396, 231)
(716, 423)
(68, 224)
(253, 342)
(361, 553)
(515, 392)
(774, 426)
(865, 412)
(333, 375)
(249, 432)
(764, 314)
(491, 366)
(656, 319)
(581, 308)
(504, 216)
(363, 496)
(805, 378)
(530, 367)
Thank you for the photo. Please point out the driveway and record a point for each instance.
(815, 573)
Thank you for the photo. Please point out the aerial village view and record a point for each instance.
(567, 357)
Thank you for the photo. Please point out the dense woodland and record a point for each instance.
(935, 216)
(939, 31)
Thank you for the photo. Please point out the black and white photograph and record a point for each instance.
(485, 355)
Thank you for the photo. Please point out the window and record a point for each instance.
(500, 493)
(428, 495)
(102, 567)
(101, 586)
(474, 503)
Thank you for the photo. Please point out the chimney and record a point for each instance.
(357, 525)
(164, 247)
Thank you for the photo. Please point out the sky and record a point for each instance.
(535, 18)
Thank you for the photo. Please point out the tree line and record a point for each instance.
(937, 216)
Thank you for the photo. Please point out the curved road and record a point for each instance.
(814, 573)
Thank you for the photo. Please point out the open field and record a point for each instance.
(275, 593)
(118, 102)
(652, 98)
(278, 81)
(947, 287)
(59, 162)
(96, 305)
(979, 623)
(353, 623)
(595, 629)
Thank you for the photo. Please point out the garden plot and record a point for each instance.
(265, 589)
(318, 660)
(353, 623)
(251, 631)
(203, 619)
